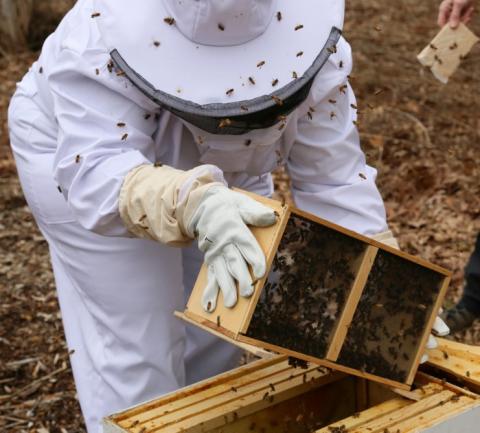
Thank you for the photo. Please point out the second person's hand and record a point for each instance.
(455, 11)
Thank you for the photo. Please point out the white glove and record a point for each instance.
(439, 328)
(220, 223)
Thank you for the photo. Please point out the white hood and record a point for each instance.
(218, 51)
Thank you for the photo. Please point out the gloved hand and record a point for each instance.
(174, 206)
(220, 224)
(439, 328)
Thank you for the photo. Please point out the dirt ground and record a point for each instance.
(422, 136)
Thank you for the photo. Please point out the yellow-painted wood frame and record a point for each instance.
(268, 391)
(232, 323)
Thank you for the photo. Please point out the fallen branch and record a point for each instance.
(20, 362)
(32, 387)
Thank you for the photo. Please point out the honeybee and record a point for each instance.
(332, 49)
(277, 100)
(224, 122)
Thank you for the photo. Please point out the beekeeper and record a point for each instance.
(463, 314)
(127, 133)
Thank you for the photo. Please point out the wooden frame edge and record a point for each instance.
(224, 334)
(269, 261)
(229, 375)
(351, 303)
(422, 378)
(324, 363)
(428, 327)
(373, 242)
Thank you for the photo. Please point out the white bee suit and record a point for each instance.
(79, 126)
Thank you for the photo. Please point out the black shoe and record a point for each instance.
(458, 318)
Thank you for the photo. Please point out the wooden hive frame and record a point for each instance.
(271, 396)
(458, 362)
(235, 325)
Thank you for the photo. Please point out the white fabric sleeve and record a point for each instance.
(330, 177)
(102, 135)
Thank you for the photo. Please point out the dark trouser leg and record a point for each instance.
(471, 295)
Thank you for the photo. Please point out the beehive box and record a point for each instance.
(333, 297)
(272, 396)
(459, 363)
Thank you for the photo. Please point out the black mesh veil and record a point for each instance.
(235, 118)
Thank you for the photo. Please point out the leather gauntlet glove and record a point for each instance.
(156, 202)
(174, 206)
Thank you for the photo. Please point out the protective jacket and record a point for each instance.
(79, 125)
(106, 127)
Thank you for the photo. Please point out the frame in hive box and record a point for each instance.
(273, 396)
(333, 297)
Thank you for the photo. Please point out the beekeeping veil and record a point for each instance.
(225, 66)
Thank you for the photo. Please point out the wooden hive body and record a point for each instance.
(333, 297)
(271, 396)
